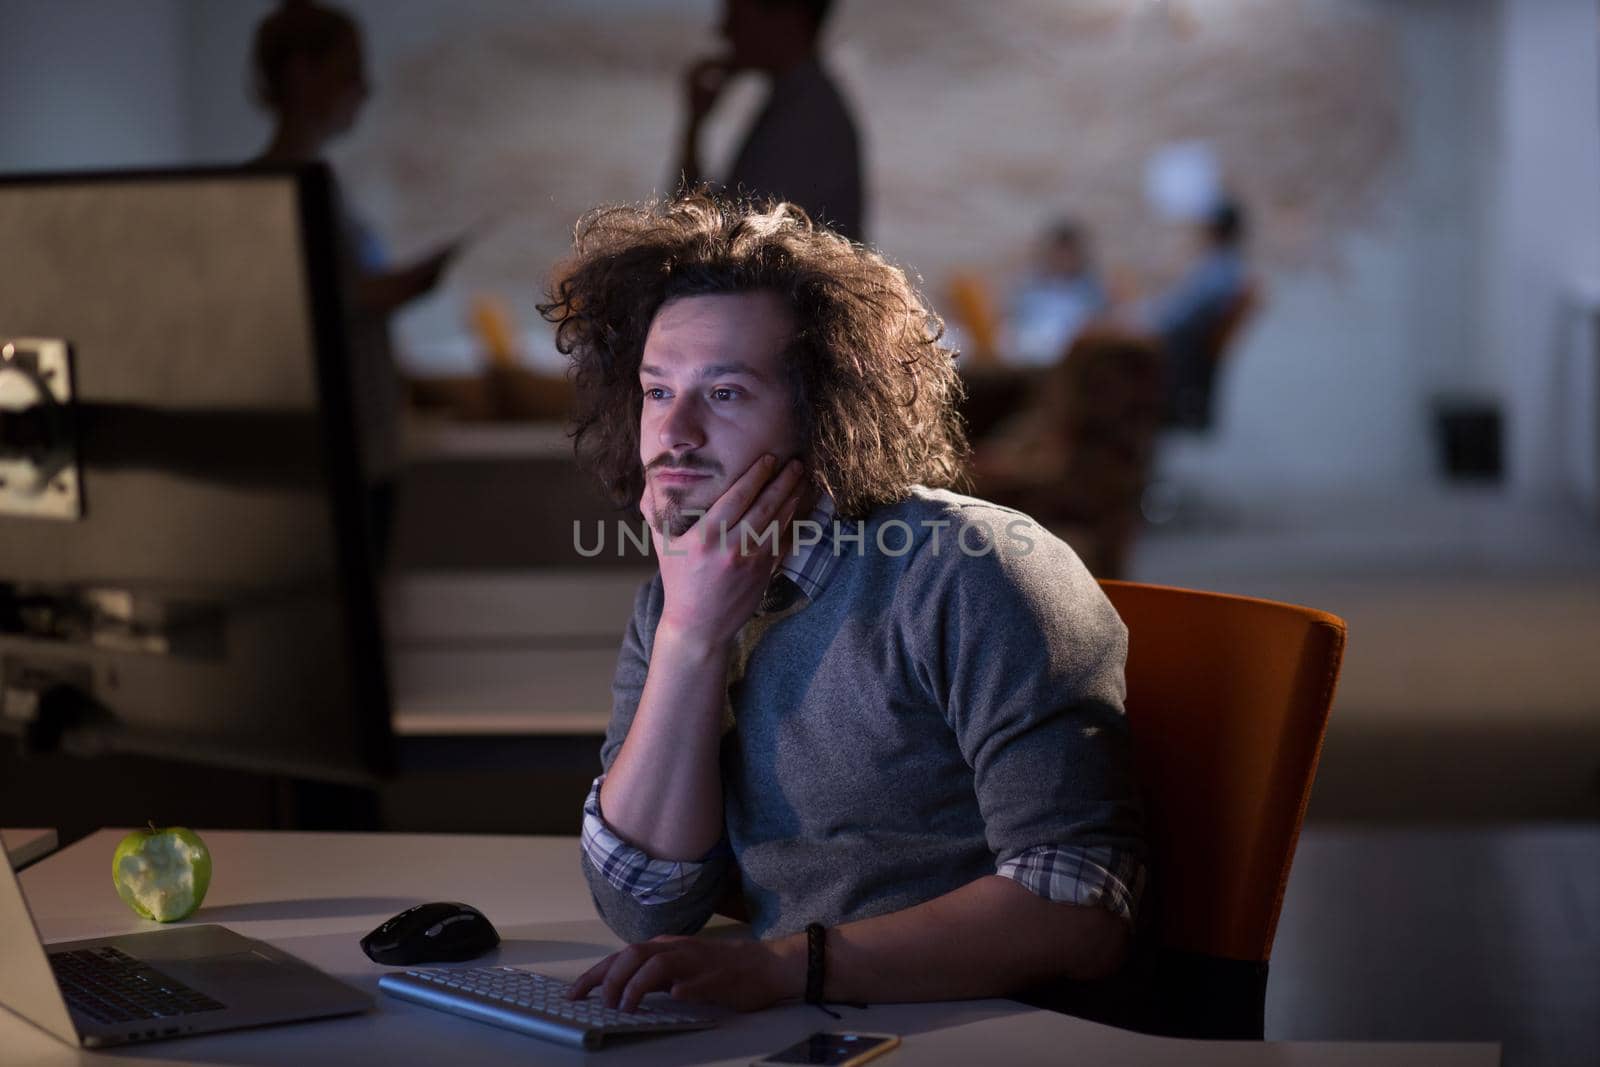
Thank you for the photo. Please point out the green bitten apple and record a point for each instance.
(162, 874)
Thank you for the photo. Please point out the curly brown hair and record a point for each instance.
(874, 390)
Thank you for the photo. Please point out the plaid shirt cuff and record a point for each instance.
(631, 869)
(1098, 876)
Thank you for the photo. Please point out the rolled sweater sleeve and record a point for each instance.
(637, 895)
(1026, 655)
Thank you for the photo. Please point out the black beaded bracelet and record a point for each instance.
(816, 962)
(817, 969)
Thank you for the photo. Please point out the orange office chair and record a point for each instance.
(1227, 701)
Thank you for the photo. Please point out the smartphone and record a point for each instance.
(833, 1050)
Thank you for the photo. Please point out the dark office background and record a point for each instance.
(1407, 430)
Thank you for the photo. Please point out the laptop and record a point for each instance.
(158, 984)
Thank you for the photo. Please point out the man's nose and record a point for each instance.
(682, 425)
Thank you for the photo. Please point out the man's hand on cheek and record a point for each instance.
(715, 574)
(745, 975)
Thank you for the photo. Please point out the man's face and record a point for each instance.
(1064, 259)
(716, 399)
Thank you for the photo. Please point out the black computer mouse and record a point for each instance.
(443, 932)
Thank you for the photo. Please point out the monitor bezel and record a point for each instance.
(316, 198)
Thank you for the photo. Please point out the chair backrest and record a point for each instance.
(1107, 399)
(973, 306)
(1232, 320)
(1227, 701)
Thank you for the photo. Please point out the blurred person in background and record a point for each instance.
(803, 146)
(1057, 300)
(310, 73)
(1193, 316)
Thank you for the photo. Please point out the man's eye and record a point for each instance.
(724, 393)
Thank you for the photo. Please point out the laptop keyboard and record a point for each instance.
(112, 987)
(537, 1005)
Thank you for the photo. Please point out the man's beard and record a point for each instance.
(673, 517)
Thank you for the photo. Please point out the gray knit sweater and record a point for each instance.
(933, 712)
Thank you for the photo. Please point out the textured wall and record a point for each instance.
(90, 84)
(1372, 137)
(981, 122)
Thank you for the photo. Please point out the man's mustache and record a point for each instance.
(687, 462)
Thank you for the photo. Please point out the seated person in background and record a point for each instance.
(1189, 317)
(897, 741)
(1054, 304)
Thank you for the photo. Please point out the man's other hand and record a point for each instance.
(744, 975)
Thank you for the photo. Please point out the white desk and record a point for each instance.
(316, 894)
(24, 846)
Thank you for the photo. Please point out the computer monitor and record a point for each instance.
(185, 570)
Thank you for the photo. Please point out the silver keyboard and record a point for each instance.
(537, 1005)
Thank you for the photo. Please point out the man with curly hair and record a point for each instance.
(881, 719)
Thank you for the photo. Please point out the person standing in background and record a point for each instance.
(803, 147)
(310, 73)
(309, 70)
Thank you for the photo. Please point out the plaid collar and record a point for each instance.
(810, 566)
